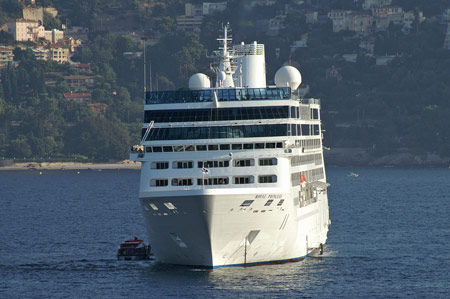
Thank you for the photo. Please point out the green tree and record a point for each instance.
(98, 138)
(51, 22)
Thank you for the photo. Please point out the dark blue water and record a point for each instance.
(389, 238)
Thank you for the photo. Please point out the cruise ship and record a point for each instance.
(233, 172)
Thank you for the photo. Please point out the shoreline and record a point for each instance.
(127, 164)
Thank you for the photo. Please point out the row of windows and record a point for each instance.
(232, 132)
(310, 176)
(213, 147)
(216, 114)
(247, 203)
(223, 114)
(217, 132)
(223, 94)
(238, 180)
(307, 144)
(306, 159)
(213, 164)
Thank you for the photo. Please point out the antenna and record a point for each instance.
(145, 71)
(150, 75)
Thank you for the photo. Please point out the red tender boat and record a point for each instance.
(134, 249)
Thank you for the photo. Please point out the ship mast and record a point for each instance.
(223, 65)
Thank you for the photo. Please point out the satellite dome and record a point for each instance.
(288, 76)
(199, 81)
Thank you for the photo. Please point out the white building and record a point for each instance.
(54, 35)
(211, 8)
(25, 30)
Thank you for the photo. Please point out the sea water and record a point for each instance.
(59, 231)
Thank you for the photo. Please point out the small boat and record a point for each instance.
(354, 175)
(134, 249)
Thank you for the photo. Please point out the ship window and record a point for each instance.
(236, 146)
(170, 206)
(159, 182)
(148, 149)
(178, 148)
(212, 164)
(189, 148)
(279, 144)
(293, 110)
(268, 162)
(314, 113)
(213, 147)
(224, 147)
(305, 130)
(280, 203)
(157, 149)
(270, 145)
(167, 149)
(259, 145)
(244, 163)
(268, 203)
(181, 182)
(263, 179)
(244, 180)
(182, 164)
(248, 145)
(316, 130)
(247, 203)
(160, 165)
(201, 147)
(153, 206)
(212, 181)
(294, 129)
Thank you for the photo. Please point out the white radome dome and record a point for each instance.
(288, 76)
(199, 81)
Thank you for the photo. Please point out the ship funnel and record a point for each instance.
(288, 76)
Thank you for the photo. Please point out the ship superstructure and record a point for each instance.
(233, 174)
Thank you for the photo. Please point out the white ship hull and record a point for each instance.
(215, 230)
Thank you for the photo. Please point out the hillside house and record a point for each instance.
(80, 82)
(25, 30)
(6, 56)
(78, 97)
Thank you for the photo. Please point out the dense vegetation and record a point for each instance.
(401, 105)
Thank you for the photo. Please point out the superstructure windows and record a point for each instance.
(305, 130)
(213, 181)
(268, 162)
(240, 180)
(182, 164)
(244, 163)
(216, 114)
(159, 183)
(314, 113)
(157, 149)
(190, 133)
(159, 165)
(213, 164)
(237, 146)
(167, 149)
(263, 179)
(182, 182)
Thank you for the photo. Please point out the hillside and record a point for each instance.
(383, 91)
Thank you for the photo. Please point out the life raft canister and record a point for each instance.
(302, 178)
